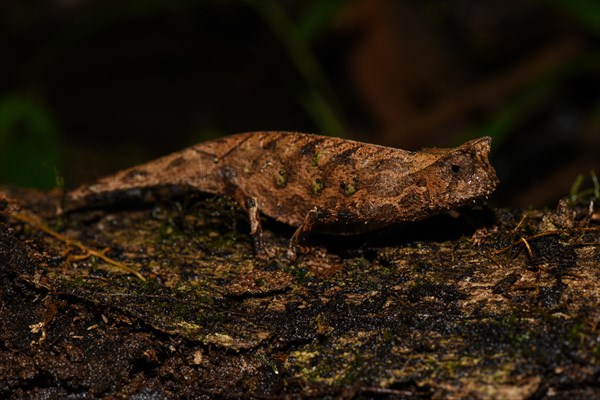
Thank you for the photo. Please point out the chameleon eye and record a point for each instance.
(455, 168)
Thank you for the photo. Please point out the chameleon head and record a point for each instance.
(460, 175)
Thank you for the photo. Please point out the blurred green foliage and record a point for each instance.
(204, 135)
(319, 98)
(508, 118)
(30, 149)
(316, 17)
(519, 107)
(30, 146)
(587, 12)
(579, 194)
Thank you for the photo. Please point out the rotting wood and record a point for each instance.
(406, 315)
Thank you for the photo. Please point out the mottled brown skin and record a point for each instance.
(317, 183)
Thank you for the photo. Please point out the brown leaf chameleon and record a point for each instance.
(315, 183)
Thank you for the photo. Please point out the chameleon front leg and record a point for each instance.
(250, 205)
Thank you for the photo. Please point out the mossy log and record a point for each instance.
(493, 304)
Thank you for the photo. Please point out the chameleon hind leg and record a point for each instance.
(314, 217)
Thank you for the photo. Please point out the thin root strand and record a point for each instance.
(87, 252)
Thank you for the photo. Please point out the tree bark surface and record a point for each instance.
(494, 304)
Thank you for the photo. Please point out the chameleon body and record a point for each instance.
(316, 183)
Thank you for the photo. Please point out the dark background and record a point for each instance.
(91, 86)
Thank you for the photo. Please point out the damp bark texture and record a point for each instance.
(493, 304)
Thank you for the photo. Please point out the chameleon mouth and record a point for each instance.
(493, 180)
(483, 158)
(482, 149)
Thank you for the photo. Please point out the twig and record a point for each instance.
(525, 240)
(528, 247)
(521, 221)
(529, 238)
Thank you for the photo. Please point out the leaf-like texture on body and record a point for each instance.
(356, 187)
